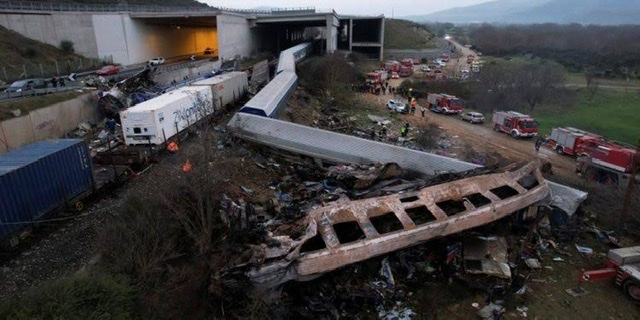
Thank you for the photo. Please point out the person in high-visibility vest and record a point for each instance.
(172, 147)
(186, 167)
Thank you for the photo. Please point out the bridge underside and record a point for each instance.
(364, 35)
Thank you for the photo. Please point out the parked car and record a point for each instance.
(27, 84)
(395, 75)
(473, 117)
(156, 61)
(107, 70)
(425, 69)
(208, 51)
(397, 106)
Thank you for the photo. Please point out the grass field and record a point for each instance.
(613, 113)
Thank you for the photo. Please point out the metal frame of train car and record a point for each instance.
(272, 97)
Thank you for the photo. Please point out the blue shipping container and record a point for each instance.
(40, 178)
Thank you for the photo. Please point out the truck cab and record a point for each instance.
(445, 103)
(516, 124)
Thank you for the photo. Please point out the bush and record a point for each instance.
(67, 46)
(29, 52)
(428, 135)
(80, 296)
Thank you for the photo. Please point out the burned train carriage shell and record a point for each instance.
(39, 180)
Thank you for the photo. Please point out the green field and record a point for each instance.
(613, 113)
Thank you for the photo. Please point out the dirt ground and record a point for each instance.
(546, 297)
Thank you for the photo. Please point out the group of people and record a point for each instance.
(55, 81)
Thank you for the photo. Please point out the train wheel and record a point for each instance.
(632, 290)
(79, 206)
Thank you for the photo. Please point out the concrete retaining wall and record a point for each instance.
(47, 123)
(53, 28)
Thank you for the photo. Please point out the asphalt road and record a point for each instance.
(125, 72)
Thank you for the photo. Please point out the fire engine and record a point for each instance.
(516, 124)
(608, 163)
(391, 66)
(444, 103)
(623, 264)
(377, 77)
(407, 63)
(405, 71)
(570, 141)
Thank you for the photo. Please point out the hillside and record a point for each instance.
(403, 34)
(604, 12)
(33, 56)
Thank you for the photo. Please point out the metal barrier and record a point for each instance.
(36, 92)
(80, 7)
(123, 7)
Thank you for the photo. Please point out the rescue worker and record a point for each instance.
(111, 125)
(172, 147)
(422, 110)
(383, 132)
(413, 106)
(538, 143)
(405, 130)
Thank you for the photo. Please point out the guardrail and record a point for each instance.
(80, 7)
(123, 7)
(36, 92)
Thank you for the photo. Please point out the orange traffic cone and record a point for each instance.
(186, 167)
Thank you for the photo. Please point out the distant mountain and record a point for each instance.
(605, 12)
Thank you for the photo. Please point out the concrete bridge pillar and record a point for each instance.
(331, 35)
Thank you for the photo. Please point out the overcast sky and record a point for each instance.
(370, 7)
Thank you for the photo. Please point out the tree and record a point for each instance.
(536, 82)
(330, 74)
(67, 46)
(592, 83)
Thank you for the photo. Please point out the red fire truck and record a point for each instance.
(608, 163)
(444, 103)
(611, 155)
(405, 71)
(516, 124)
(391, 66)
(570, 141)
(623, 264)
(407, 63)
(377, 77)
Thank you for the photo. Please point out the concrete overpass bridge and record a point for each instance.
(130, 34)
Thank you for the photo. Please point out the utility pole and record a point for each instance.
(626, 204)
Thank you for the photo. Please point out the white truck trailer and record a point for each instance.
(159, 119)
(226, 88)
